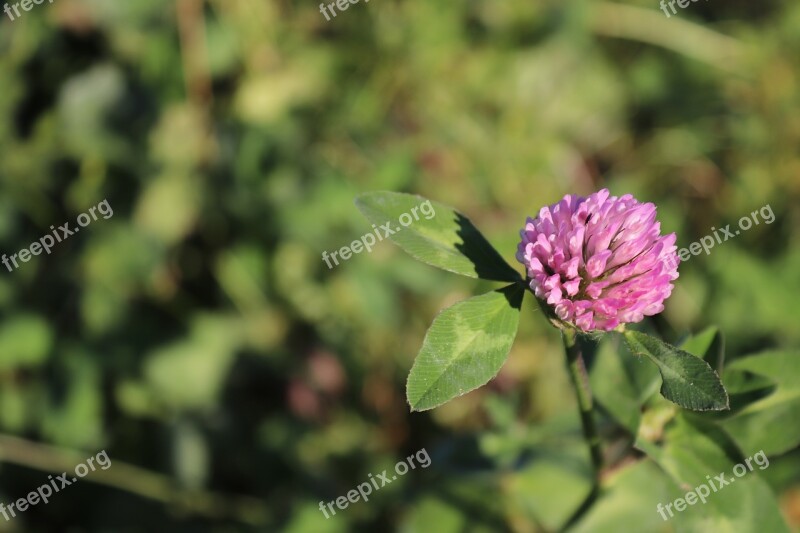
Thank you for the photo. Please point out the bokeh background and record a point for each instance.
(197, 336)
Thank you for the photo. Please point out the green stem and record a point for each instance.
(648, 25)
(138, 481)
(583, 392)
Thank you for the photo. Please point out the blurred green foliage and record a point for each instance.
(197, 333)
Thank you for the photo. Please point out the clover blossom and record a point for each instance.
(599, 261)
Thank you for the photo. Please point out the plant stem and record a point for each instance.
(583, 392)
(647, 25)
(136, 480)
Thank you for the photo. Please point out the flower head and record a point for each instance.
(599, 261)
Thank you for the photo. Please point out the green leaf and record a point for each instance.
(551, 484)
(435, 234)
(630, 495)
(708, 345)
(770, 423)
(693, 453)
(686, 380)
(464, 348)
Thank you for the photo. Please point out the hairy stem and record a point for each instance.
(583, 392)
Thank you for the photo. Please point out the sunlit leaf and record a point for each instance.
(435, 234)
(464, 348)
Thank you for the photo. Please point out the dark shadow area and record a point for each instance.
(488, 262)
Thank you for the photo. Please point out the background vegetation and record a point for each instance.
(234, 380)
